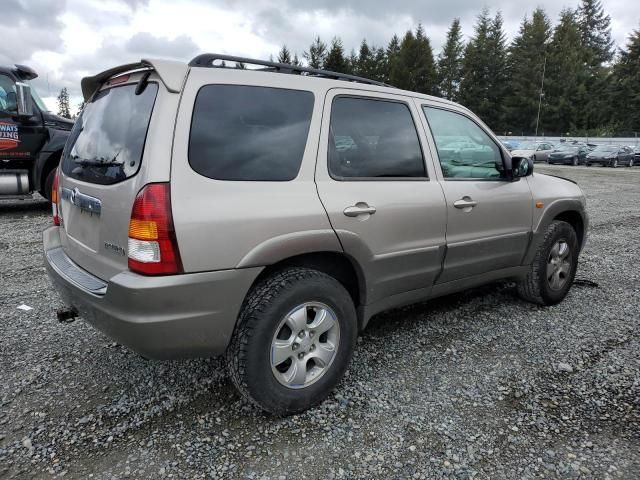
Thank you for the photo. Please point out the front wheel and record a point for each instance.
(554, 266)
(614, 163)
(574, 161)
(631, 162)
(293, 342)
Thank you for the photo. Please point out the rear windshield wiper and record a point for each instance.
(96, 162)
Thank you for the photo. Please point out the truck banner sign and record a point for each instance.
(9, 138)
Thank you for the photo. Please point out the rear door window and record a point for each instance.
(107, 140)
(372, 138)
(249, 133)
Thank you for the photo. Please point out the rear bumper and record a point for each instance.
(165, 317)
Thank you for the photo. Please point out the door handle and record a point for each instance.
(465, 203)
(360, 208)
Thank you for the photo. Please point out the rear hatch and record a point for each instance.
(103, 168)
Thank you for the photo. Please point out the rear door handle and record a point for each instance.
(465, 202)
(360, 208)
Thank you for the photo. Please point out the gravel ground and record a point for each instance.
(478, 384)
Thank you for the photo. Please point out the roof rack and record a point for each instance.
(207, 59)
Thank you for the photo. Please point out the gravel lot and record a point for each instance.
(478, 384)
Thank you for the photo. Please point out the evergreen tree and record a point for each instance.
(414, 68)
(63, 103)
(335, 60)
(392, 60)
(526, 63)
(565, 77)
(595, 31)
(284, 56)
(625, 86)
(484, 68)
(317, 54)
(296, 60)
(379, 70)
(365, 64)
(450, 62)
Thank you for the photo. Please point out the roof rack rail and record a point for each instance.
(207, 59)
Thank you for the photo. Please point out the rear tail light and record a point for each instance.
(54, 200)
(153, 249)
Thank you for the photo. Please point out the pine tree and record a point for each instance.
(335, 60)
(526, 63)
(450, 62)
(365, 62)
(63, 103)
(80, 108)
(475, 83)
(392, 55)
(284, 56)
(625, 86)
(497, 73)
(414, 68)
(595, 31)
(565, 77)
(317, 54)
(296, 60)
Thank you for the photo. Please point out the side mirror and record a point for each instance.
(24, 100)
(521, 167)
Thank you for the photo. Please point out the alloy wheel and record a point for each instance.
(305, 345)
(559, 265)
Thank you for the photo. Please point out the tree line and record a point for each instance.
(589, 87)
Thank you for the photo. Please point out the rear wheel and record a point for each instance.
(554, 266)
(631, 162)
(574, 161)
(294, 340)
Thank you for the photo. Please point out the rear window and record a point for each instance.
(107, 140)
(249, 133)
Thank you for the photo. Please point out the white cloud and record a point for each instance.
(66, 40)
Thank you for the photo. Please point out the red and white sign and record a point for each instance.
(9, 138)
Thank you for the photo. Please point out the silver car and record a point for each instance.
(266, 215)
(537, 151)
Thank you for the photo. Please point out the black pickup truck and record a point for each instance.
(31, 137)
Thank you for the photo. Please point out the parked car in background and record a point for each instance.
(610, 156)
(636, 155)
(569, 154)
(536, 151)
(510, 144)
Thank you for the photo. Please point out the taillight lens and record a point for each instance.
(54, 200)
(153, 249)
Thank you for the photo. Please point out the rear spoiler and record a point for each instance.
(171, 73)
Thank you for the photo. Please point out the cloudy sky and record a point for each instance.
(65, 40)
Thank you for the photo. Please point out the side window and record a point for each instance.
(250, 133)
(464, 149)
(371, 138)
(8, 99)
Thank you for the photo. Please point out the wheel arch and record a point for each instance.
(338, 265)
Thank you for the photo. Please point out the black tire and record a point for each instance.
(248, 355)
(575, 161)
(48, 185)
(631, 162)
(614, 163)
(587, 164)
(536, 287)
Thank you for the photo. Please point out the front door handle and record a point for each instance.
(360, 208)
(465, 203)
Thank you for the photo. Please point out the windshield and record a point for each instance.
(36, 98)
(567, 148)
(107, 140)
(527, 146)
(605, 148)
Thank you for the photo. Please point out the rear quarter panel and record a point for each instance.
(228, 224)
